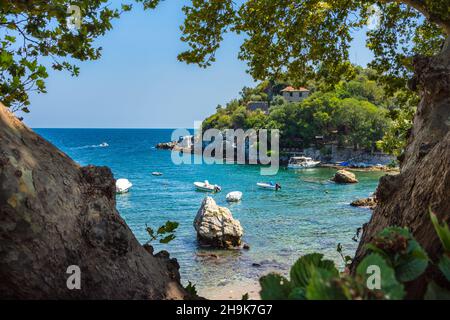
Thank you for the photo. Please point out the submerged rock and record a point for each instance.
(344, 176)
(216, 226)
(370, 203)
(55, 214)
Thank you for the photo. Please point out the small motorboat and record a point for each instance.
(234, 196)
(123, 185)
(206, 186)
(104, 145)
(156, 173)
(302, 163)
(269, 185)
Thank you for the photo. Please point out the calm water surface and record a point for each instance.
(308, 214)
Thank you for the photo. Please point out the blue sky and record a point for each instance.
(138, 82)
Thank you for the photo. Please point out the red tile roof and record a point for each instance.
(292, 89)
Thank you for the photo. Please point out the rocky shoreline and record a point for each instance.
(173, 145)
(369, 203)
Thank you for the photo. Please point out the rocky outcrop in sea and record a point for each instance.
(216, 226)
(344, 176)
(369, 203)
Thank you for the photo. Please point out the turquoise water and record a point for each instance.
(308, 214)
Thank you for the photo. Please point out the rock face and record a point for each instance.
(216, 226)
(54, 214)
(370, 203)
(344, 176)
(166, 145)
(424, 179)
(175, 147)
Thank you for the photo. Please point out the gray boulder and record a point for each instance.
(216, 226)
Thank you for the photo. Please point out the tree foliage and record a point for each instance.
(302, 39)
(354, 113)
(311, 38)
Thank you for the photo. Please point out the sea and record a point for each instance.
(309, 214)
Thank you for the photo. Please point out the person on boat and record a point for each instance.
(217, 188)
(277, 186)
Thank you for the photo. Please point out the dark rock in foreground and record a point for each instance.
(54, 214)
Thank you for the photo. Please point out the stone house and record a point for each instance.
(292, 94)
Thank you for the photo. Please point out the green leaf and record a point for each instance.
(413, 263)
(435, 292)
(171, 226)
(167, 239)
(442, 230)
(302, 269)
(444, 266)
(161, 230)
(274, 287)
(297, 293)
(389, 286)
(373, 248)
(322, 287)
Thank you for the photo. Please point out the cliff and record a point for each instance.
(424, 179)
(54, 214)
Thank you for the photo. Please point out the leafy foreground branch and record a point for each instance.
(395, 258)
(164, 234)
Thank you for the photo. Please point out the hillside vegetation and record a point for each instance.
(354, 113)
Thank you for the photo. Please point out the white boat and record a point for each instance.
(156, 173)
(104, 145)
(270, 185)
(234, 196)
(302, 163)
(206, 186)
(123, 186)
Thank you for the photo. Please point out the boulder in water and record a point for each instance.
(216, 226)
(344, 176)
(370, 203)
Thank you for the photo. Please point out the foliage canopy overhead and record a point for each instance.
(311, 38)
(303, 39)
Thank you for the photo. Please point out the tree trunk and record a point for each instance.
(424, 179)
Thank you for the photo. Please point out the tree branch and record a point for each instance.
(420, 6)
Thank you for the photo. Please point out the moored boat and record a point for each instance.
(302, 163)
(123, 186)
(206, 186)
(156, 173)
(269, 185)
